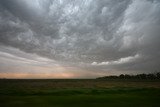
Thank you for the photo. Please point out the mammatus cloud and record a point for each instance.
(87, 38)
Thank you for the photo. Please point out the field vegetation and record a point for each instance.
(79, 93)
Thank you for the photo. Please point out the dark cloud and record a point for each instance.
(101, 35)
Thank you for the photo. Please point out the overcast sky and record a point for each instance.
(78, 38)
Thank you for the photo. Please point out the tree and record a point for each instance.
(142, 76)
(151, 76)
(158, 75)
(121, 76)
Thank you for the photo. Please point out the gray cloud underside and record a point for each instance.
(91, 34)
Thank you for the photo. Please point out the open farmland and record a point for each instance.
(79, 93)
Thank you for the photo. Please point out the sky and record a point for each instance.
(78, 38)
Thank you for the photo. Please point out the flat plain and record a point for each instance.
(79, 93)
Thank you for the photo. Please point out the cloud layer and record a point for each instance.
(96, 37)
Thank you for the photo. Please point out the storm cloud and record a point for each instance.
(87, 38)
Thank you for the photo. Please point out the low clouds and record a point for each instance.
(95, 37)
(120, 61)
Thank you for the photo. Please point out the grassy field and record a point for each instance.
(79, 93)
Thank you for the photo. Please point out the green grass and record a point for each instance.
(79, 93)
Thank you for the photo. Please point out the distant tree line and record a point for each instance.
(150, 76)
